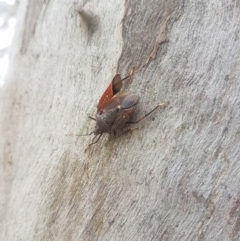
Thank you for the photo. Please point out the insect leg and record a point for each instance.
(158, 106)
(130, 129)
(94, 142)
(130, 75)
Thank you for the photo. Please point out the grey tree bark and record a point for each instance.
(177, 177)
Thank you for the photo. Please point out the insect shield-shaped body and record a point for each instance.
(114, 109)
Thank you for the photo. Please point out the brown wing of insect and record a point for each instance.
(108, 94)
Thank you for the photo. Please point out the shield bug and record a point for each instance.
(114, 110)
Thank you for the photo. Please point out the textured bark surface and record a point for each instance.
(177, 177)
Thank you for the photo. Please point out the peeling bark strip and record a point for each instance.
(161, 38)
(144, 30)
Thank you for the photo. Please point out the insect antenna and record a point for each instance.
(88, 134)
(92, 118)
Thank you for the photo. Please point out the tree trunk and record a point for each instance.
(177, 177)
